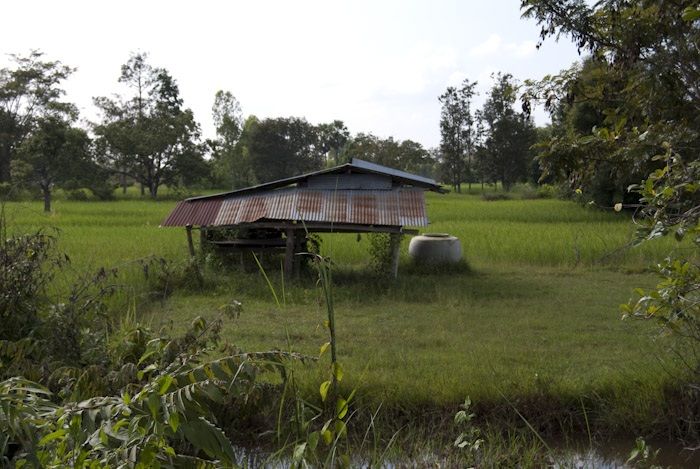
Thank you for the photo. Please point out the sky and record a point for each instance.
(379, 66)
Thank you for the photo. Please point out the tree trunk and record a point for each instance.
(46, 189)
(123, 183)
(5, 163)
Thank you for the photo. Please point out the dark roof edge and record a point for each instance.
(363, 166)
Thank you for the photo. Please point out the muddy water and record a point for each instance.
(614, 454)
(610, 455)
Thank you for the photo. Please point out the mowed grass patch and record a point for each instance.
(430, 342)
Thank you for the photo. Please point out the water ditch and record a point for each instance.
(609, 455)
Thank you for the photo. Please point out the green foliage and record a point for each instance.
(405, 155)
(469, 439)
(643, 455)
(641, 71)
(150, 137)
(381, 251)
(284, 147)
(670, 198)
(509, 134)
(28, 92)
(149, 422)
(77, 395)
(27, 267)
(457, 133)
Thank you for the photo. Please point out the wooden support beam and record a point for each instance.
(289, 253)
(190, 244)
(396, 244)
(298, 237)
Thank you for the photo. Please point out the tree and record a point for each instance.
(334, 137)
(642, 73)
(150, 137)
(404, 155)
(226, 153)
(54, 152)
(27, 93)
(593, 92)
(284, 147)
(509, 134)
(457, 133)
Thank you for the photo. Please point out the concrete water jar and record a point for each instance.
(435, 249)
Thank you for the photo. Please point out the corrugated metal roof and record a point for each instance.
(396, 207)
(357, 167)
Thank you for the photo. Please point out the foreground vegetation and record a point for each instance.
(529, 324)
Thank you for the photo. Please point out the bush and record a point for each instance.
(546, 191)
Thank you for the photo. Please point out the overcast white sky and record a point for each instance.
(379, 66)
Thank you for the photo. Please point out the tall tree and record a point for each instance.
(509, 133)
(643, 74)
(284, 147)
(53, 153)
(150, 137)
(226, 152)
(456, 132)
(333, 138)
(29, 91)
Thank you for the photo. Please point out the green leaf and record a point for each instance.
(150, 367)
(174, 421)
(53, 436)
(323, 349)
(342, 407)
(327, 437)
(313, 440)
(299, 453)
(338, 371)
(340, 428)
(165, 382)
(154, 404)
(691, 14)
(324, 389)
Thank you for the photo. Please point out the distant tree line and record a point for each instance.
(148, 137)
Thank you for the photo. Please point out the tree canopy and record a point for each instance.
(28, 92)
(149, 136)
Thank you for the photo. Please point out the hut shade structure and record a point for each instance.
(356, 197)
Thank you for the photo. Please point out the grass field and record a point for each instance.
(532, 317)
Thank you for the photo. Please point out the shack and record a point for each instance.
(357, 197)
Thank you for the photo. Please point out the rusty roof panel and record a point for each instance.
(411, 208)
(397, 207)
(363, 208)
(198, 213)
(337, 207)
(230, 209)
(281, 205)
(205, 214)
(309, 205)
(254, 208)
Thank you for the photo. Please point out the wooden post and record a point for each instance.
(396, 244)
(289, 253)
(297, 249)
(190, 244)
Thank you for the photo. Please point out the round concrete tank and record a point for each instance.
(435, 248)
